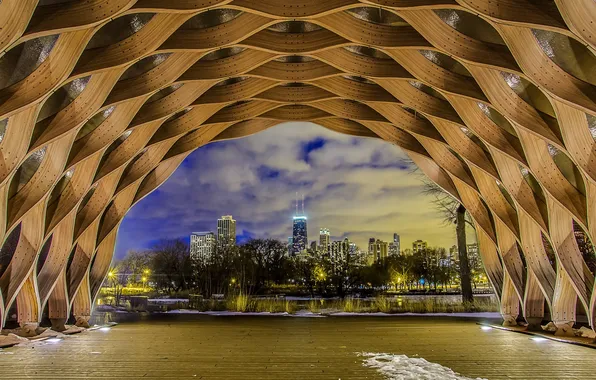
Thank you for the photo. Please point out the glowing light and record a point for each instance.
(146, 271)
(538, 339)
(53, 340)
(104, 329)
(300, 217)
(486, 328)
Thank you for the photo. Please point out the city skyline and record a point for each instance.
(356, 187)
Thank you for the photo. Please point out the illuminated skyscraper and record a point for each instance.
(299, 234)
(394, 246)
(226, 231)
(419, 245)
(299, 230)
(324, 235)
(202, 246)
(377, 250)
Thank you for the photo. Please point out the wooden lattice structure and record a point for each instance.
(101, 100)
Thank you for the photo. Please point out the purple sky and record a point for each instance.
(356, 187)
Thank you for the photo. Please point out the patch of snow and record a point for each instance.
(167, 300)
(325, 313)
(182, 311)
(402, 367)
(306, 314)
(457, 315)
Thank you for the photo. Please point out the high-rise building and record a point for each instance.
(299, 230)
(474, 257)
(202, 246)
(226, 231)
(299, 234)
(324, 242)
(419, 245)
(339, 252)
(377, 250)
(454, 256)
(353, 249)
(394, 246)
(290, 245)
(313, 247)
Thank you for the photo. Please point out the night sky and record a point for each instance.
(357, 187)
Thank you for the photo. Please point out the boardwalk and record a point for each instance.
(292, 348)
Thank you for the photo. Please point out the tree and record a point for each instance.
(133, 265)
(305, 272)
(269, 257)
(171, 265)
(455, 213)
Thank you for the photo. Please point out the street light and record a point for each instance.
(144, 279)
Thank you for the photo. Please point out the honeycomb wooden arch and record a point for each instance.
(101, 100)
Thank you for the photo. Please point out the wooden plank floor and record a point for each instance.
(291, 348)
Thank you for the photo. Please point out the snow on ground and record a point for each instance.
(457, 315)
(402, 367)
(167, 300)
(224, 313)
(306, 313)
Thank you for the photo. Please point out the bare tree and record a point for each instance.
(454, 213)
(133, 266)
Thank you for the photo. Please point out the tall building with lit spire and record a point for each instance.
(299, 230)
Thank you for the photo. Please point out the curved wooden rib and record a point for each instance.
(502, 119)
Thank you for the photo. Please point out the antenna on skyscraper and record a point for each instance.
(302, 204)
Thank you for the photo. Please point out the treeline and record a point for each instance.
(262, 265)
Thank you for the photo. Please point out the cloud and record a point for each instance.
(356, 187)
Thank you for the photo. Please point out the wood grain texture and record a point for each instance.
(101, 100)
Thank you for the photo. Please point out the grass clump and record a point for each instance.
(382, 304)
(315, 306)
(239, 303)
(352, 305)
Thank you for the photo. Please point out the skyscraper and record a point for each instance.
(226, 231)
(202, 246)
(394, 246)
(338, 253)
(419, 245)
(324, 236)
(377, 250)
(299, 234)
(299, 230)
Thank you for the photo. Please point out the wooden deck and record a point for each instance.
(291, 348)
